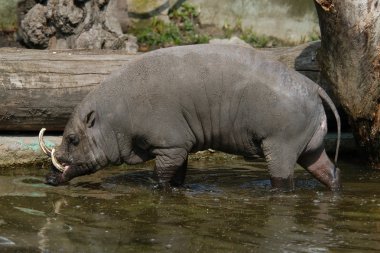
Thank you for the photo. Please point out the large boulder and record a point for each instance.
(75, 24)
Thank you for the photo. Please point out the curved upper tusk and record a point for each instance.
(56, 164)
(43, 146)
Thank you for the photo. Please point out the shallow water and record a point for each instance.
(225, 206)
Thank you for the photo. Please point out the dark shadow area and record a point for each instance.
(8, 39)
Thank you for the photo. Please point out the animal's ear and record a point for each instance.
(90, 119)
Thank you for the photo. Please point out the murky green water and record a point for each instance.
(225, 207)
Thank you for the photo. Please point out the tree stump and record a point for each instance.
(350, 60)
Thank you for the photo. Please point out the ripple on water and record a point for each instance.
(5, 241)
(224, 207)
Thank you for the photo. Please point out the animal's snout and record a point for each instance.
(54, 177)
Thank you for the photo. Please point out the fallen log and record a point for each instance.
(40, 88)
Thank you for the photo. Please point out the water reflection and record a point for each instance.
(224, 207)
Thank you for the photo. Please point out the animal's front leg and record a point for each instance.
(171, 165)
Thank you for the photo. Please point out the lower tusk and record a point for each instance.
(43, 146)
(56, 163)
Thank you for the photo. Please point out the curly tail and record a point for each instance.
(322, 93)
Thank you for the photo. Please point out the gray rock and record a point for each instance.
(91, 39)
(68, 24)
(111, 18)
(98, 38)
(233, 40)
(66, 16)
(34, 29)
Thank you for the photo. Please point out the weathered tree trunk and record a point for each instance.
(41, 88)
(350, 60)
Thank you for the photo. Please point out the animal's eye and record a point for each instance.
(73, 139)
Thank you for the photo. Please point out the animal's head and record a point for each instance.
(87, 145)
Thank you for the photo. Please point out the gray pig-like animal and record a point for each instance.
(170, 102)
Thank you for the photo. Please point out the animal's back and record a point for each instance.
(222, 94)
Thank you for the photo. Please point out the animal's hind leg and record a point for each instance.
(281, 162)
(320, 166)
(316, 161)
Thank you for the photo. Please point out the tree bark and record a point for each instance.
(350, 60)
(41, 88)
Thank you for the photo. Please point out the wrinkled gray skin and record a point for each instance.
(170, 102)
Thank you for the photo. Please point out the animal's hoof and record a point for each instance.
(52, 180)
(282, 184)
(54, 177)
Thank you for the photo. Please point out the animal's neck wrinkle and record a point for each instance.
(96, 158)
(129, 120)
(107, 151)
(238, 120)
